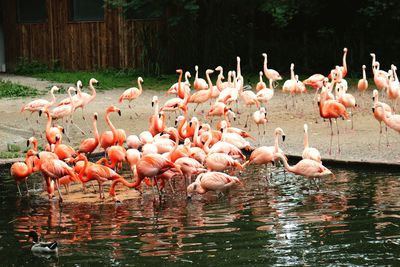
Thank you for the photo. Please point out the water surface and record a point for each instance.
(352, 220)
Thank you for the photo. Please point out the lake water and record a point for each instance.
(354, 219)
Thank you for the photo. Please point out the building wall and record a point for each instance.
(112, 43)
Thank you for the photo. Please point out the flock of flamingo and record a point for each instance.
(192, 147)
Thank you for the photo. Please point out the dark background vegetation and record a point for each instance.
(309, 33)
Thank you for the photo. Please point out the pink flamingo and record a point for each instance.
(305, 167)
(212, 181)
(343, 68)
(199, 83)
(88, 145)
(20, 171)
(261, 84)
(132, 93)
(363, 83)
(310, 152)
(203, 96)
(391, 120)
(347, 100)
(271, 74)
(109, 138)
(39, 104)
(331, 109)
(221, 162)
(157, 121)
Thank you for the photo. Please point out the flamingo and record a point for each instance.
(310, 152)
(220, 162)
(51, 132)
(265, 154)
(391, 120)
(379, 114)
(189, 167)
(63, 151)
(393, 90)
(20, 171)
(109, 138)
(133, 141)
(305, 167)
(261, 84)
(132, 93)
(175, 103)
(343, 68)
(39, 104)
(88, 145)
(212, 181)
(199, 83)
(347, 100)
(271, 74)
(362, 83)
(97, 172)
(266, 94)
(54, 169)
(235, 139)
(116, 154)
(203, 96)
(289, 86)
(149, 166)
(62, 111)
(331, 109)
(260, 118)
(157, 121)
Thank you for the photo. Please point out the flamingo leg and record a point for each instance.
(172, 188)
(338, 144)
(19, 190)
(58, 189)
(330, 146)
(27, 189)
(380, 135)
(387, 140)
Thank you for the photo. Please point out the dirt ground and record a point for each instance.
(360, 144)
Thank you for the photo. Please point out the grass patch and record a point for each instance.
(109, 79)
(9, 89)
(9, 155)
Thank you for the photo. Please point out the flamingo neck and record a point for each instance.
(140, 87)
(292, 74)
(285, 163)
(210, 86)
(344, 63)
(93, 95)
(53, 97)
(83, 171)
(113, 130)
(206, 146)
(70, 99)
(306, 145)
(364, 74)
(96, 132)
(276, 143)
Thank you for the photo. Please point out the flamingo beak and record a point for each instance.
(373, 98)
(63, 131)
(40, 113)
(27, 143)
(190, 124)
(176, 122)
(152, 104)
(283, 138)
(119, 112)
(201, 126)
(95, 117)
(373, 110)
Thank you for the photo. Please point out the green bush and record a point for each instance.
(24, 67)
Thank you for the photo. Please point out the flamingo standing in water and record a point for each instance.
(310, 152)
(149, 166)
(212, 181)
(88, 145)
(20, 171)
(305, 167)
(132, 93)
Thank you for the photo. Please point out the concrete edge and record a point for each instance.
(346, 164)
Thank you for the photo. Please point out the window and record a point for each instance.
(87, 10)
(31, 11)
(144, 10)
